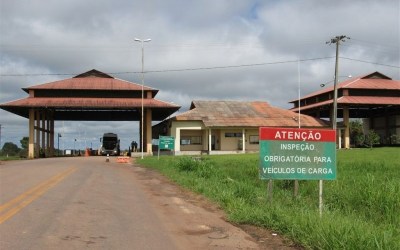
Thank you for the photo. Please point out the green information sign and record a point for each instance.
(297, 154)
(166, 142)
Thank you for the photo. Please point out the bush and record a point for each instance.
(200, 167)
(372, 138)
(23, 153)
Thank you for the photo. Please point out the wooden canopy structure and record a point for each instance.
(375, 97)
(90, 96)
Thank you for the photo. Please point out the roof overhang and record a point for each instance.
(354, 102)
(92, 109)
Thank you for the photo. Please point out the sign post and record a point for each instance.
(166, 142)
(297, 154)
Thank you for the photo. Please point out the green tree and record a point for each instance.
(372, 138)
(24, 144)
(356, 132)
(10, 149)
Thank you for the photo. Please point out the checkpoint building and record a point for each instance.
(90, 96)
(228, 127)
(374, 97)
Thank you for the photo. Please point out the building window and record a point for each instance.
(191, 140)
(254, 139)
(233, 134)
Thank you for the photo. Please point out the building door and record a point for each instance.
(213, 142)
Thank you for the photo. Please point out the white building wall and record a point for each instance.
(180, 129)
(177, 127)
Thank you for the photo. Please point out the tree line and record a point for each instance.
(11, 149)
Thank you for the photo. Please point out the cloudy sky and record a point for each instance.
(206, 49)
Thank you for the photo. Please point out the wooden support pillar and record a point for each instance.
(47, 131)
(51, 117)
(43, 132)
(346, 124)
(31, 143)
(37, 132)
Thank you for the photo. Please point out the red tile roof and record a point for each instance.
(84, 103)
(360, 100)
(97, 94)
(245, 114)
(90, 83)
(369, 81)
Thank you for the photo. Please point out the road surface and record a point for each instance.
(88, 203)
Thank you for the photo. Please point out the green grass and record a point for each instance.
(361, 207)
(10, 158)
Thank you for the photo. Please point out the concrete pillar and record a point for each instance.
(31, 143)
(148, 134)
(244, 140)
(51, 133)
(209, 140)
(37, 132)
(346, 124)
(43, 131)
(47, 131)
(177, 139)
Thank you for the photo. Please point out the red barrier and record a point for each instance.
(123, 159)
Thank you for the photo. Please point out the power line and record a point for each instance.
(376, 63)
(178, 70)
(374, 44)
(205, 68)
(237, 66)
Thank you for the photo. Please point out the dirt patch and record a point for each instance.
(173, 198)
(268, 239)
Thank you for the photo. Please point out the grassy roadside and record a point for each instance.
(361, 207)
(10, 158)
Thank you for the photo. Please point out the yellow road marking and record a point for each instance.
(15, 205)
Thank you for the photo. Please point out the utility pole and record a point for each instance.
(336, 40)
(0, 136)
(142, 41)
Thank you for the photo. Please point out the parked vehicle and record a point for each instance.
(109, 144)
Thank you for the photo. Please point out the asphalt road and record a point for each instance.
(88, 203)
